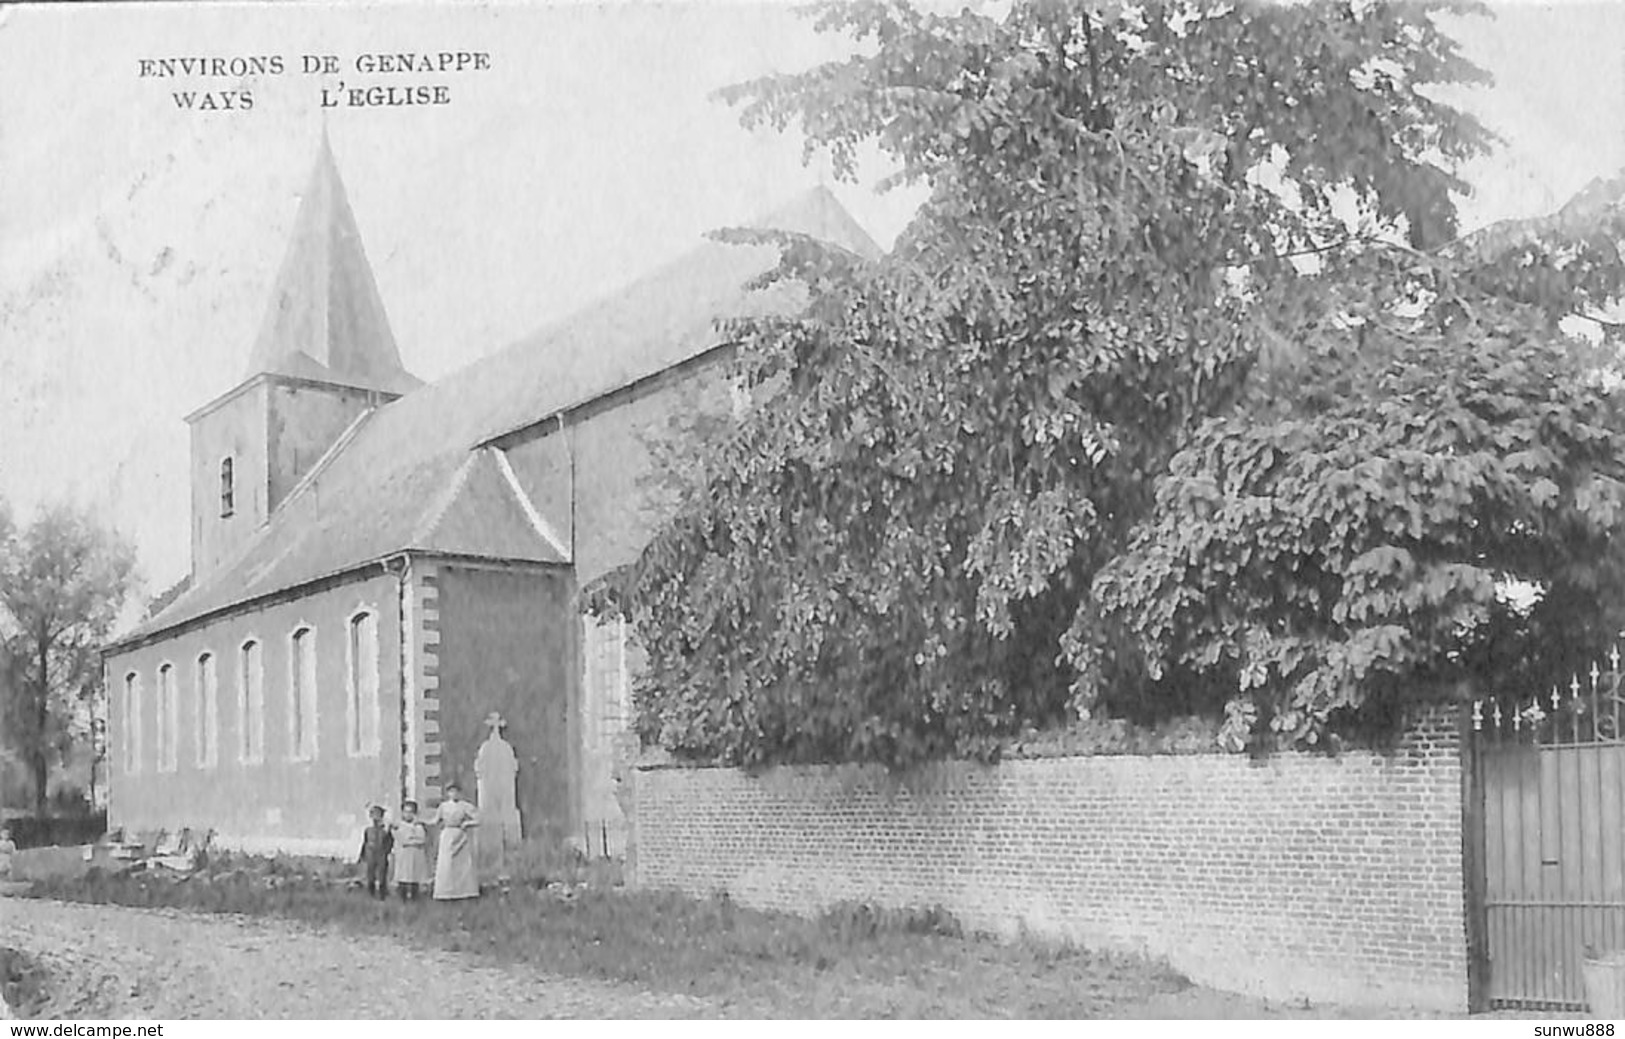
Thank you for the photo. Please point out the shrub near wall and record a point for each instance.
(32, 831)
(1300, 876)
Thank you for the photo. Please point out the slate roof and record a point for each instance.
(325, 319)
(417, 475)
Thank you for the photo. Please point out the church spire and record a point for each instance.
(326, 320)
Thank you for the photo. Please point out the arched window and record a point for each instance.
(362, 683)
(302, 694)
(132, 723)
(206, 712)
(250, 704)
(228, 496)
(168, 719)
(607, 680)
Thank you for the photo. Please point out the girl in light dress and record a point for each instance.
(411, 854)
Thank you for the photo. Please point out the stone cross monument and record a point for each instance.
(497, 770)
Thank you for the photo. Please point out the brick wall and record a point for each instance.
(1299, 876)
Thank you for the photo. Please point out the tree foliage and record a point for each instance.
(63, 581)
(1183, 309)
(1377, 518)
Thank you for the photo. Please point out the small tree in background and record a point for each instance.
(63, 581)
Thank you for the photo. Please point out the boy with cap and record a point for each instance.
(376, 843)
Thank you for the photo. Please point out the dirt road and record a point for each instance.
(105, 961)
(114, 962)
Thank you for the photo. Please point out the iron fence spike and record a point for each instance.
(1592, 711)
(1574, 714)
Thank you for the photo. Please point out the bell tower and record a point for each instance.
(324, 358)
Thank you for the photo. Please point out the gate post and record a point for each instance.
(1472, 861)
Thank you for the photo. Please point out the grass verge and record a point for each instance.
(854, 962)
(23, 984)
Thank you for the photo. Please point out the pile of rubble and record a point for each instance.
(189, 856)
(192, 857)
(176, 854)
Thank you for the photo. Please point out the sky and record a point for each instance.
(138, 239)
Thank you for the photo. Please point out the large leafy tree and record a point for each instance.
(1431, 492)
(1144, 221)
(63, 581)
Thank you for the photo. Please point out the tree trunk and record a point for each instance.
(39, 757)
(41, 767)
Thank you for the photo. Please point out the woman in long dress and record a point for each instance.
(454, 865)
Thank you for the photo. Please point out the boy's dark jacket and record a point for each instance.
(376, 843)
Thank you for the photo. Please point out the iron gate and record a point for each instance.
(1549, 802)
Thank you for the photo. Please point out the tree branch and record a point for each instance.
(1097, 104)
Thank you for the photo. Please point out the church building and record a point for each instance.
(385, 573)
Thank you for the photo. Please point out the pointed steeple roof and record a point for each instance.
(326, 319)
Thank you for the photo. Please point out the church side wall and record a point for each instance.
(610, 513)
(505, 643)
(315, 806)
(617, 508)
(615, 511)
